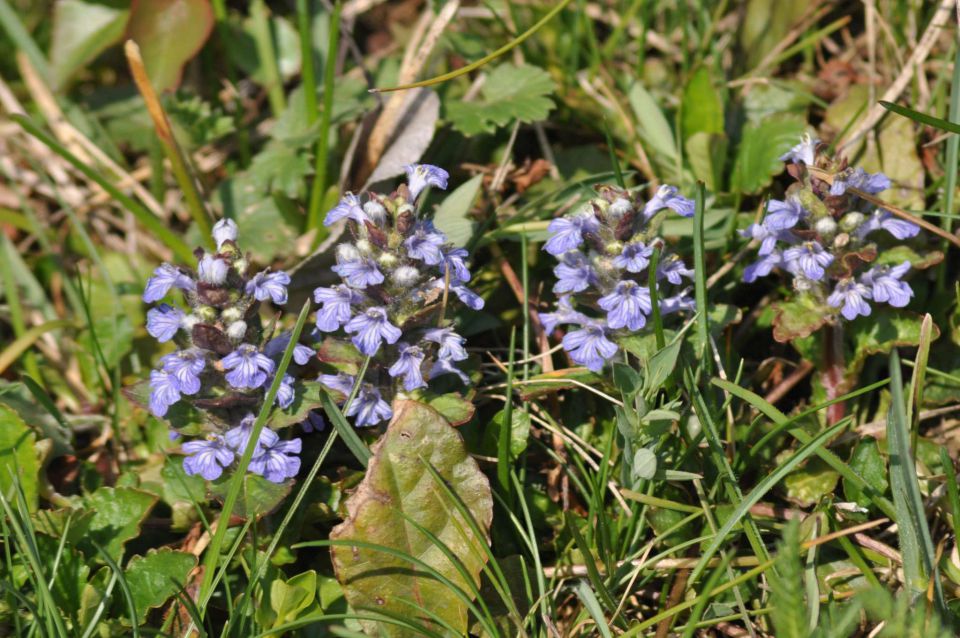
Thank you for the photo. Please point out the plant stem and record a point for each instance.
(323, 143)
(832, 373)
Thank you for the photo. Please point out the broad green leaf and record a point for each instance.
(181, 416)
(766, 100)
(82, 30)
(761, 146)
(242, 49)
(869, 464)
(261, 223)
(259, 496)
(509, 93)
(289, 599)
(896, 255)
(452, 406)
(901, 163)
(19, 465)
(70, 573)
(764, 26)
(661, 365)
(306, 398)
(398, 491)
(169, 33)
(118, 513)
(807, 485)
(154, 578)
(707, 154)
(796, 319)
(519, 432)
(702, 109)
(181, 491)
(281, 167)
(453, 215)
(654, 130)
(886, 328)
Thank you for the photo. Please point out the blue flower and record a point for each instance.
(408, 366)
(207, 457)
(852, 296)
(419, 176)
(247, 367)
(276, 460)
(567, 232)
(886, 286)
(667, 197)
(163, 322)
(213, 270)
(804, 152)
(359, 273)
(564, 314)
(574, 273)
(223, 231)
(627, 305)
(451, 344)
(269, 284)
(767, 237)
(164, 392)
(314, 422)
(275, 347)
(185, 366)
(164, 278)
(238, 437)
(762, 267)
(341, 382)
(881, 219)
(369, 407)
(673, 268)
(677, 303)
(348, 208)
(370, 328)
(808, 259)
(469, 298)
(336, 306)
(783, 215)
(589, 346)
(634, 257)
(445, 366)
(453, 261)
(285, 393)
(425, 244)
(858, 178)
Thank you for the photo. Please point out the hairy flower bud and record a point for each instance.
(851, 221)
(347, 252)
(825, 226)
(237, 330)
(405, 276)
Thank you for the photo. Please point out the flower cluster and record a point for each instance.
(223, 364)
(825, 236)
(604, 250)
(397, 276)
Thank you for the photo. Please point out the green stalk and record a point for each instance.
(12, 294)
(323, 143)
(953, 150)
(308, 77)
(263, 38)
(700, 279)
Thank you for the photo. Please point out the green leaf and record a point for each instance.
(154, 578)
(886, 328)
(181, 416)
(18, 458)
(922, 118)
(281, 167)
(644, 464)
(707, 154)
(654, 130)
(541, 385)
(397, 492)
(453, 215)
(118, 513)
(509, 93)
(82, 30)
(807, 485)
(796, 319)
(519, 432)
(306, 398)
(901, 163)
(788, 611)
(452, 406)
(661, 365)
(169, 33)
(289, 599)
(761, 146)
(260, 221)
(867, 462)
(258, 498)
(896, 255)
(702, 109)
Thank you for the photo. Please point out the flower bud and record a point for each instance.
(387, 260)
(223, 231)
(207, 314)
(620, 207)
(240, 265)
(189, 321)
(613, 248)
(347, 252)
(364, 247)
(851, 221)
(231, 314)
(405, 276)
(802, 284)
(825, 226)
(237, 330)
(375, 211)
(841, 241)
(212, 270)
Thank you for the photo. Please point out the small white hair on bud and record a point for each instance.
(212, 270)
(223, 231)
(620, 207)
(375, 211)
(405, 276)
(825, 226)
(347, 252)
(236, 330)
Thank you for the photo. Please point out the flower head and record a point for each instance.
(207, 457)
(348, 208)
(886, 286)
(419, 176)
(369, 407)
(567, 232)
(783, 215)
(667, 197)
(589, 346)
(164, 392)
(223, 231)
(574, 273)
(276, 460)
(164, 278)
(408, 366)
(451, 344)
(446, 366)
(248, 368)
(804, 152)
(163, 322)
(336, 306)
(851, 297)
(359, 273)
(185, 366)
(808, 259)
(634, 257)
(272, 285)
(425, 244)
(370, 329)
(213, 270)
(627, 306)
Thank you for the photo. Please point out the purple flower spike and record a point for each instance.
(408, 366)
(238, 437)
(425, 244)
(164, 392)
(185, 366)
(277, 461)
(564, 314)
(783, 215)
(453, 260)
(667, 197)
(881, 219)
(672, 268)
(768, 238)
(207, 458)
(348, 208)
(271, 285)
(370, 329)
(567, 232)
(359, 273)
(369, 407)
(852, 296)
(419, 176)
(574, 273)
(445, 366)
(163, 322)
(451, 344)
(808, 259)
(341, 382)
(275, 347)
(589, 346)
(886, 285)
(164, 278)
(627, 305)
(634, 257)
(247, 367)
(762, 267)
(804, 152)
(336, 305)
